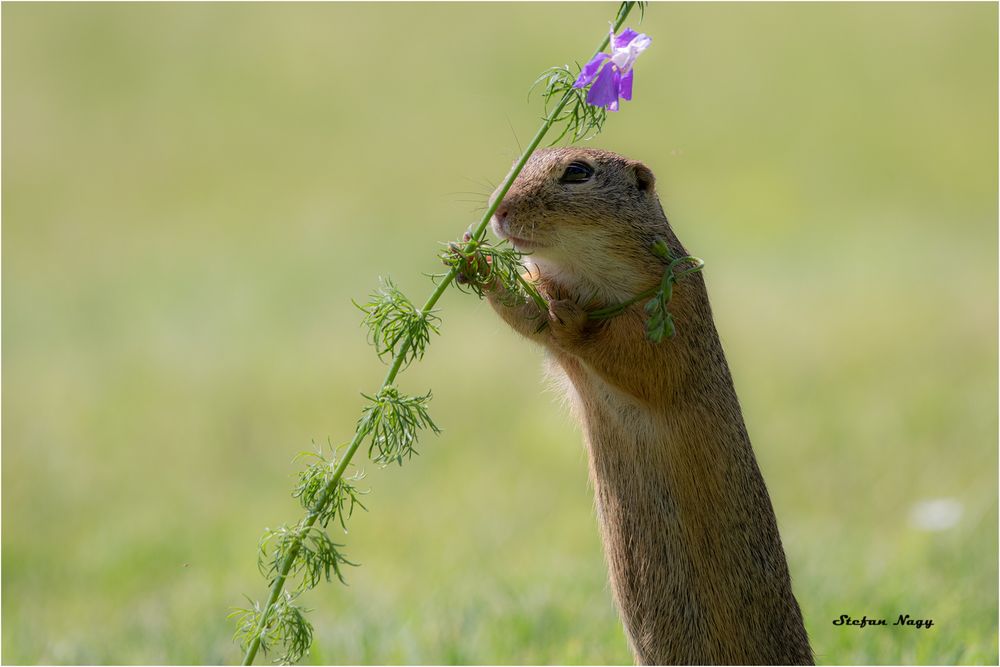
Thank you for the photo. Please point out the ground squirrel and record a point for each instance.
(692, 546)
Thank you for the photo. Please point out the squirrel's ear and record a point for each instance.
(644, 178)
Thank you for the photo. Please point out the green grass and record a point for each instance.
(192, 194)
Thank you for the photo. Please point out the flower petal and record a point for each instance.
(604, 92)
(625, 85)
(627, 36)
(626, 55)
(640, 44)
(589, 70)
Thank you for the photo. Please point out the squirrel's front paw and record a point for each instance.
(567, 320)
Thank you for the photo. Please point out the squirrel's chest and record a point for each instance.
(614, 423)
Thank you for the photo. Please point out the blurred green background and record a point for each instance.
(192, 194)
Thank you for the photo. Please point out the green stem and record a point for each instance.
(533, 293)
(397, 361)
(611, 311)
(698, 265)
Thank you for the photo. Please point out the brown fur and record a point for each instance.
(692, 545)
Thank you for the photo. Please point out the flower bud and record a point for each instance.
(660, 248)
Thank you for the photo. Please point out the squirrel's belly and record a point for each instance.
(651, 565)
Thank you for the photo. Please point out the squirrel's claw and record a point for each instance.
(567, 320)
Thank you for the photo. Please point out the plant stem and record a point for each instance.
(533, 294)
(611, 311)
(397, 361)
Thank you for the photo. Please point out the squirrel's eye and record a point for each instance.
(577, 172)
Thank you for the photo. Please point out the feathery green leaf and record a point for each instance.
(392, 422)
(392, 318)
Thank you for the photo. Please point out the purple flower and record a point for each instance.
(614, 79)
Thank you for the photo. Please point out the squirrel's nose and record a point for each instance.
(501, 212)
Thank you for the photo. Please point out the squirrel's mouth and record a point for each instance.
(521, 244)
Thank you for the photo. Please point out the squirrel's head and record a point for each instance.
(585, 218)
